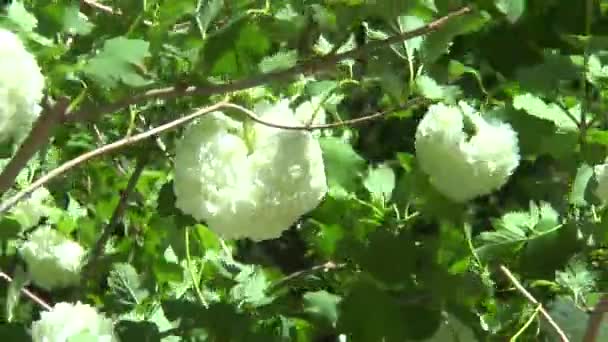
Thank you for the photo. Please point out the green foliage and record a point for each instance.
(385, 256)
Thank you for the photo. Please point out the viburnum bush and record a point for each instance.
(264, 170)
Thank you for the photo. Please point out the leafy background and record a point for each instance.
(384, 257)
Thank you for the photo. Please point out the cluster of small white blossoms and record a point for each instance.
(29, 212)
(21, 87)
(73, 322)
(247, 180)
(463, 167)
(53, 260)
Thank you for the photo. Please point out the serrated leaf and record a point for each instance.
(429, 88)
(208, 11)
(251, 287)
(380, 182)
(125, 284)
(535, 106)
(280, 61)
(322, 304)
(115, 62)
(577, 278)
(513, 9)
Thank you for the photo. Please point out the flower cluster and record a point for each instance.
(249, 180)
(463, 167)
(53, 260)
(21, 88)
(73, 322)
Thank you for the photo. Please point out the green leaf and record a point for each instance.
(383, 249)
(429, 88)
(342, 164)
(513, 9)
(380, 182)
(453, 330)
(280, 61)
(515, 229)
(322, 304)
(125, 285)
(535, 106)
(251, 287)
(577, 278)
(235, 50)
(579, 186)
(74, 22)
(208, 11)
(137, 331)
(21, 17)
(115, 62)
(571, 319)
(438, 42)
(15, 332)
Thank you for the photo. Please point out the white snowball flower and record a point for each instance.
(53, 260)
(248, 180)
(21, 87)
(463, 167)
(73, 322)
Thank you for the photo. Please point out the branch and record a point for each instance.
(253, 116)
(8, 204)
(101, 7)
(28, 293)
(595, 320)
(116, 216)
(533, 300)
(312, 66)
(38, 136)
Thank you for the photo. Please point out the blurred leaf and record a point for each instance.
(125, 285)
(208, 11)
(280, 61)
(20, 16)
(342, 164)
(251, 287)
(513, 9)
(579, 186)
(137, 331)
(577, 279)
(76, 23)
(322, 304)
(115, 62)
(535, 106)
(380, 182)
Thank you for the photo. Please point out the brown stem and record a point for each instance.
(595, 320)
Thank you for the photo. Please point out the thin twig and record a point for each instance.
(533, 300)
(101, 7)
(313, 66)
(38, 137)
(595, 320)
(8, 204)
(28, 293)
(343, 123)
(328, 266)
(116, 216)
